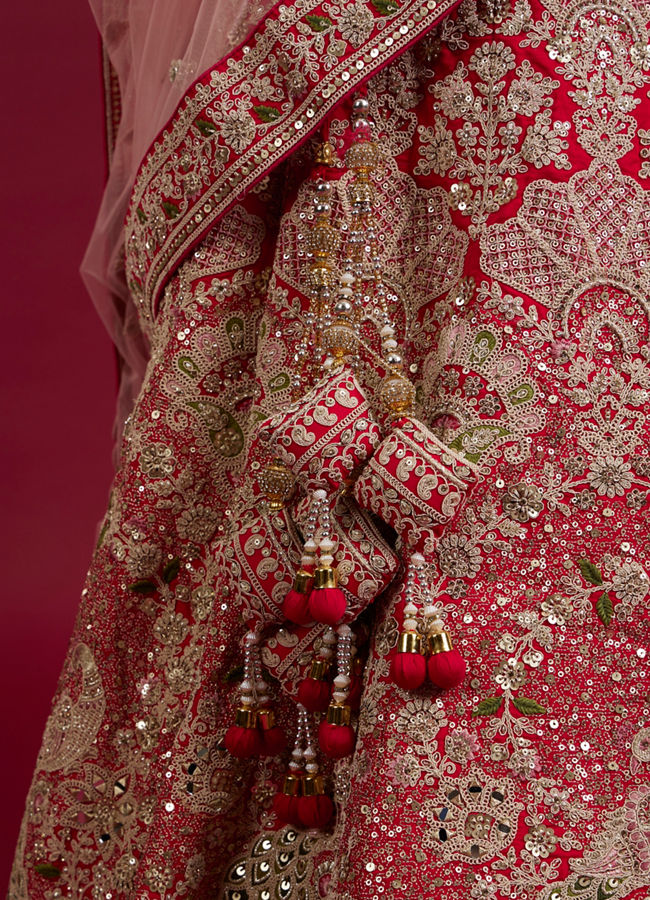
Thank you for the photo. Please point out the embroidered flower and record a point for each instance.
(238, 130)
(630, 583)
(171, 628)
(492, 61)
(202, 601)
(527, 92)
(461, 746)
(585, 499)
(557, 800)
(540, 841)
(641, 465)
(355, 24)
(636, 499)
(156, 461)
(522, 502)
(180, 674)
(404, 770)
(197, 523)
(557, 609)
(610, 476)
(437, 151)
(420, 720)
(544, 143)
(510, 674)
(525, 763)
(457, 558)
(489, 405)
(143, 559)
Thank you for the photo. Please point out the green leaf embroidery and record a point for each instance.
(141, 215)
(488, 707)
(386, 7)
(528, 707)
(267, 113)
(171, 210)
(171, 570)
(318, 23)
(47, 870)
(605, 609)
(590, 572)
(143, 587)
(206, 128)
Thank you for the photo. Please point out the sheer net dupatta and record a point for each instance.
(155, 50)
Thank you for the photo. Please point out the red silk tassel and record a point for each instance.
(326, 601)
(242, 741)
(446, 667)
(315, 808)
(296, 603)
(335, 734)
(314, 694)
(408, 670)
(286, 801)
(273, 737)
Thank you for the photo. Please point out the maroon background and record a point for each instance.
(57, 396)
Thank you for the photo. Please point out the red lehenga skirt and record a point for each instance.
(483, 236)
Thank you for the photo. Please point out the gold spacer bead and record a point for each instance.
(440, 642)
(325, 154)
(338, 715)
(291, 785)
(319, 668)
(302, 581)
(246, 717)
(324, 577)
(409, 642)
(312, 785)
(266, 718)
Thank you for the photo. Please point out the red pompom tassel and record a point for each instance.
(273, 737)
(335, 734)
(314, 694)
(315, 808)
(327, 605)
(447, 669)
(408, 670)
(315, 812)
(285, 802)
(274, 741)
(296, 608)
(242, 742)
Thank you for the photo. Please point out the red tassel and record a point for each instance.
(242, 742)
(274, 741)
(315, 808)
(285, 802)
(446, 669)
(296, 608)
(408, 670)
(315, 812)
(335, 734)
(327, 605)
(273, 737)
(296, 603)
(314, 694)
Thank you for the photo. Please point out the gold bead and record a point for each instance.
(266, 718)
(339, 338)
(246, 717)
(291, 785)
(440, 642)
(325, 154)
(324, 577)
(338, 714)
(409, 642)
(277, 483)
(323, 240)
(397, 394)
(302, 581)
(362, 156)
(319, 668)
(312, 785)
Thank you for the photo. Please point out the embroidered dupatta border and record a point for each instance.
(166, 219)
